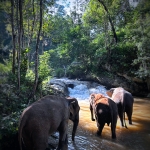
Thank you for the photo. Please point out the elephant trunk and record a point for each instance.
(75, 125)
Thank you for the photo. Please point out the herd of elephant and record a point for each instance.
(51, 113)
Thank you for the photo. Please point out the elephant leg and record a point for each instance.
(63, 138)
(100, 128)
(39, 142)
(120, 113)
(92, 116)
(75, 125)
(26, 142)
(35, 140)
(96, 120)
(129, 114)
(63, 145)
(113, 130)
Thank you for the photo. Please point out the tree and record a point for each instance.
(110, 20)
(37, 48)
(140, 30)
(13, 37)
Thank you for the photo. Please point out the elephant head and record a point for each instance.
(74, 114)
(44, 117)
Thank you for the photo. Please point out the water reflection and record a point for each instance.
(136, 137)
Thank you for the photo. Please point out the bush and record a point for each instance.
(59, 72)
(9, 132)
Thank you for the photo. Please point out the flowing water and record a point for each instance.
(136, 137)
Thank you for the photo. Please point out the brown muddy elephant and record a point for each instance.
(45, 116)
(105, 111)
(124, 101)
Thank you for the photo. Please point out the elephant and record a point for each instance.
(105, 111)
(124, 101)
(44, 117)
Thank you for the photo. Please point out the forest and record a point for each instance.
(42, 39)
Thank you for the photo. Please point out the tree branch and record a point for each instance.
(111, 23)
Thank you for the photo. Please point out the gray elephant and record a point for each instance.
(45, 116)
(124, 101)
(105, 111)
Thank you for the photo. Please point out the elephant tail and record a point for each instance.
(124, 109)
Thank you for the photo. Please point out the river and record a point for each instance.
(136, 137)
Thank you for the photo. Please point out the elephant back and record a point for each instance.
(118, 94)
(98, 98)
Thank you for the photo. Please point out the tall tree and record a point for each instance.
(140, 30)
(110, 20)
(20, 40)
(37, 48)
(13, 37)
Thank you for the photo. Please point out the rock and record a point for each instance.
(59, 86)
(109, 81)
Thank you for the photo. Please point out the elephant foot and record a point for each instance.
(114, 136)
(130, 122)
(122, 124)
(98, 133)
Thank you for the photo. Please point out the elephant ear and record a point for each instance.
(71, 100)
(73, 107)
(92, 99)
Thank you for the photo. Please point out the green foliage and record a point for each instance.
(131, 54)
(9, 130)
(5, 38)
(75, 32)
(77, 70)
(140, 31)
(30, 75)
(9, 124)
(44, 69)
(12, 103)
(44, 66)
(5, 68)
(59, 72)
(4, 71)
(120, 62)
(24, 64)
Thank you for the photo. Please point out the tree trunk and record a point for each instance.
(36, 52)
(13, 37)
(20, 42)
(30, 33)
(32, 28)
(111, 23)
